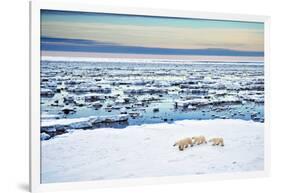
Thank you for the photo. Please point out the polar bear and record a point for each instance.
(199, 140)
(217, 141)
(184, 143)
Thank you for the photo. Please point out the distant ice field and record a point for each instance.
(152, 91)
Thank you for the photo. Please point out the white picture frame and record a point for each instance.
(36, 6)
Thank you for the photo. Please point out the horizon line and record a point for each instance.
(82, 45)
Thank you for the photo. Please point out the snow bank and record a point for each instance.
(44, 136)
(147, 151)
(80, 123)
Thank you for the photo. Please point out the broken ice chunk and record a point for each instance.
(44, 136)
(45, 92)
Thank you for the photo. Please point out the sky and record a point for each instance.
(63, 31)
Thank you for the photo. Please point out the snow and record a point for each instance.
(47, 92)
(80, 125)
(198, 102)
(88, 88)
(97, 104)
(44, 136)
(255, 98)
(52, 122)
(147, 151)
(202, 101)
(145, 91)
(55, 125)
(49, 116)
(148, 60)
(226, 100)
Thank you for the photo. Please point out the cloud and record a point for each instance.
(76, 45)
(158, 36)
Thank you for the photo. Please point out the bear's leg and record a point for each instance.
(180, 147)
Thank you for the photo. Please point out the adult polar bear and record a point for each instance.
(217, 141)
(199, 140)
(184, 143)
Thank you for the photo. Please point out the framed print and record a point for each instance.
(130, 96)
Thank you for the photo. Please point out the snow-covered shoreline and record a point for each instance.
(147, 151)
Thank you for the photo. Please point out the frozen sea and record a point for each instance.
(149, 91)
(107, 119)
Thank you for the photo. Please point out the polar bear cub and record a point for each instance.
(199, 140)
(217, 141)
(184, 143)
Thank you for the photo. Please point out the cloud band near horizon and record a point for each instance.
(108, 33)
